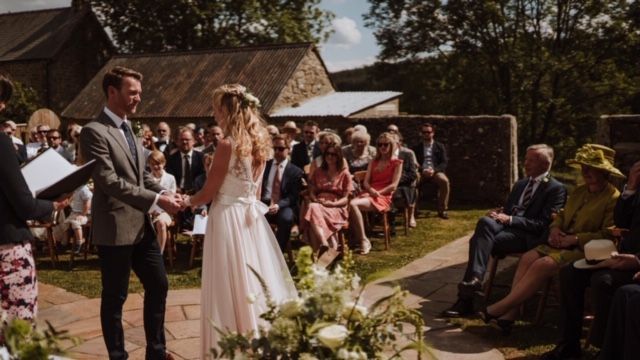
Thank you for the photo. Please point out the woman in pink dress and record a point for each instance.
(329, 189)
(381, 180)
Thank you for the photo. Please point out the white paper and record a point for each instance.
(45, 170)
(199, 224)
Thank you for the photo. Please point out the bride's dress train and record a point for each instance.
(238, 236)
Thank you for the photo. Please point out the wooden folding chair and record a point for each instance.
(51, 241)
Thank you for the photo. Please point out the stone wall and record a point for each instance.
(622, 133)
(75, 65)
(389, 108)
(483, 158)
(309, 80)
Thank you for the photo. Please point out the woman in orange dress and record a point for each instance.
(329, 189)
(381, 180)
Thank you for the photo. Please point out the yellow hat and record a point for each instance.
(596, 156)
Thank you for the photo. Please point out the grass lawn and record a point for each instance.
(431, 233)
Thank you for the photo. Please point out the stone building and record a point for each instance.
(55, 51)
(177, 87)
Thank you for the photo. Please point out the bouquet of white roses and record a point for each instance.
(327, 322)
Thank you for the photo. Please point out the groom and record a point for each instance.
(123, 196)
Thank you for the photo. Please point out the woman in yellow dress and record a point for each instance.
(586, 216)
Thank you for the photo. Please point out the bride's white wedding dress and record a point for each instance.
(238, 236)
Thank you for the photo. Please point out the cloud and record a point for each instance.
(346, 33)
(334, 66)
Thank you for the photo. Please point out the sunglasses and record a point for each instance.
(53, 137)
(42, 131)
(331, 154)
(279, 148)
(383, 144)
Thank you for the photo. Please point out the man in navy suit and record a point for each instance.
(281, 184)
(515, 228)
(308, 149)
(187, 164)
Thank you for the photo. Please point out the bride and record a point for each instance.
(237, 235)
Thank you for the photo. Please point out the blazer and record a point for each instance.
(123, 191)
(17, 204)
(409, 167)
(289, 186)
(440, 159)
(299, 156)
(549, 198)
(174, 165)
(626, 215)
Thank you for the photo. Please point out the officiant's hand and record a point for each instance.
(170, 203)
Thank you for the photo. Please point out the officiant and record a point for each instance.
(18, 287)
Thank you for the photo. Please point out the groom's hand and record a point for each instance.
(170, 203)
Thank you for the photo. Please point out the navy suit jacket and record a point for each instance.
(174, 166)
(17, 204)
(549, 198)
(439, 154)
(299, 156)
(289, 186)
(626, 215)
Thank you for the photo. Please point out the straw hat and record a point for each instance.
(596, 156)
(595, 252)
(290, 127)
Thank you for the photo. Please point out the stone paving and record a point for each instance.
(430, 280)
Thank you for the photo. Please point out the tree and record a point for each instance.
(556, 65)
(24, 101)
(161, 25)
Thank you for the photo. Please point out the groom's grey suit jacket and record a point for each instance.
(123, 192)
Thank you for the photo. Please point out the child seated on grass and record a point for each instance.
(161, 220)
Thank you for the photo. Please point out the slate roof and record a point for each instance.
(38, 34)
(342, 104)
(180, 85)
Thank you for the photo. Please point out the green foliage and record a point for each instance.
(23, 341)
(555, 65)
(23, 103)
(161, 25)
(326, 322)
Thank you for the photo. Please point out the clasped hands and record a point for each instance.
(172, 203)
(561, 240)
(498, 215)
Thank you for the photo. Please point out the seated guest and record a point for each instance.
(161, 220)
(291, 130)
(273, 130)
(515, 228)
(309, 148)
(281, 184)
(603, 280)
(80, 211)
(54, 139)
(163, 134)
(326, 213)
(214, 134)
(199, 137)
(346, 135)
(359, 154)
(9, 127)
(587, 215)
(381, 180)
(326, 138)
(407, 193)
(185, 165)
(623, 327)
(39, 143)
(432, 158)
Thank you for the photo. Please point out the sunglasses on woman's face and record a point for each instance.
(383, 144)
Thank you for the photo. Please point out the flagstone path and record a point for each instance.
(430, 280)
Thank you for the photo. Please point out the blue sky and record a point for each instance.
(352, 45)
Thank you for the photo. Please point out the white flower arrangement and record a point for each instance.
(326, 321)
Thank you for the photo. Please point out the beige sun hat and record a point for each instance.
(596, 156)
(290, 127)
(595, 252)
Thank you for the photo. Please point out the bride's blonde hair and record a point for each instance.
(243, 122)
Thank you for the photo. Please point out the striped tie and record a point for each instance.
(528, 192)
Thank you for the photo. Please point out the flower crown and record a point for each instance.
(249, 100)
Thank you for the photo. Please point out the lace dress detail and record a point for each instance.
(238, 236)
